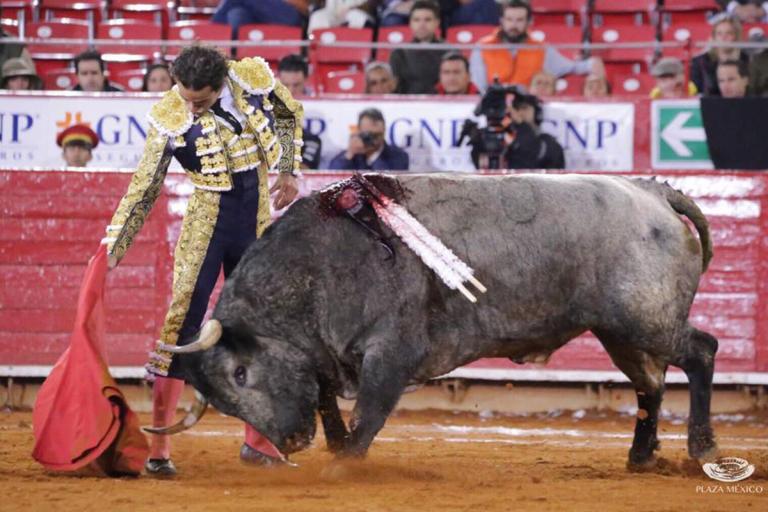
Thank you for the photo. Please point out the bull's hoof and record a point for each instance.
(702, 455)
(160, 468)
(253, 457)
(636, 465)
(701, 444)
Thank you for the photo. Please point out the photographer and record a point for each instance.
(367, 148)
(511, 138)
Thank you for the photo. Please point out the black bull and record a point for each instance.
(316, 309)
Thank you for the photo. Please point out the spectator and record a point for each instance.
(417, 71)
(19, 75)
(543, 84)
(596, 86)
(368, 149)
(275, 12)
(747, 11)
(292, 71)
(725, 29)
(157, 79)
(470, 12)
(77, 143)
(670, 80)
(517, 67)
(334, 13)
(89, 68)
(379, 78)
(732, 78)
(454, 76)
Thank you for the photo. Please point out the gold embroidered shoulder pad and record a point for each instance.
(253, 75)
(169, 115)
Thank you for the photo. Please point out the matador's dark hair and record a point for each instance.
(198, 67)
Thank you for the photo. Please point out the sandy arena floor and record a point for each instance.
(420, 461)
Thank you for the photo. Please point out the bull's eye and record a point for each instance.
(240, 375)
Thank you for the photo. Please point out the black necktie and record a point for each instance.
(232, 120)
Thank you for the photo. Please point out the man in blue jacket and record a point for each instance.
(368, 149)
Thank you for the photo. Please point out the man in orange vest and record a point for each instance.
(517, 66)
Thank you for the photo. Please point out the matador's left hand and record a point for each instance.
(286, 188)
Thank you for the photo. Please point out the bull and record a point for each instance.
(316, 310)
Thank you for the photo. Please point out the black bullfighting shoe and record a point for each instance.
(160, 468)
(254, 457)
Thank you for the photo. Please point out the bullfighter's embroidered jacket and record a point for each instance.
(209, 151)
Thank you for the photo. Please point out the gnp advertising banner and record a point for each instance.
(596, 136)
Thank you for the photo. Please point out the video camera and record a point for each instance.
(488, 143)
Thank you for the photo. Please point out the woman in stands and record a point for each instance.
(725, 29)
(157, 79)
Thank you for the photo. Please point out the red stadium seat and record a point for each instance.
(327, 54)
(216, 34)
(10, 26)
(684, 11)
(631, 85)
(119, 30)
(259, 33)
(64, 28)
(148, 11)
(130, 79)
(570, 85)
(201, 10)
(89, 10)
(468, 34)
(344, 82)
(555, 34)
(59, 79)
(683, 32)
(392, 35)
(560, 12)
(625, 34)
(20, 10)
(609, 13)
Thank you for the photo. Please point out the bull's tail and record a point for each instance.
(684, 205)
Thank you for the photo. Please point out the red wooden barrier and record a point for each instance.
(52, 222)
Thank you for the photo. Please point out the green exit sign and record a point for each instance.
(678, 139)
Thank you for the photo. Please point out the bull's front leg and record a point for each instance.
(384, 376)
(336, 434)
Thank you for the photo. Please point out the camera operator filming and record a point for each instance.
(512, 137)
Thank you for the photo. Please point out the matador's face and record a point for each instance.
(198, 101)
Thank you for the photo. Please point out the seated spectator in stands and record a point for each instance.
(379, 78)
(470, 12)
(417, 71)
(335, 13)
(670, 80)
(733, 79)
(725, 29)
(274, 12)
(596, 86)
(543, 84)
(368, 149)
(77, 143)
(89, 69)
(292, 71)
(18, 74)
(157, 79)
(454, 75)
(747, 11)
(517, 67)
(12, 50)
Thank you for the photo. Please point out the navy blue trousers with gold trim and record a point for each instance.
(217, 229)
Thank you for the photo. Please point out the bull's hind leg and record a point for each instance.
(647, 376)
(698, 363)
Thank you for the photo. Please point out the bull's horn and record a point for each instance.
(193, 416)
(209, 336)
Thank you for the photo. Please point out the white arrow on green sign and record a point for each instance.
(678, 137)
